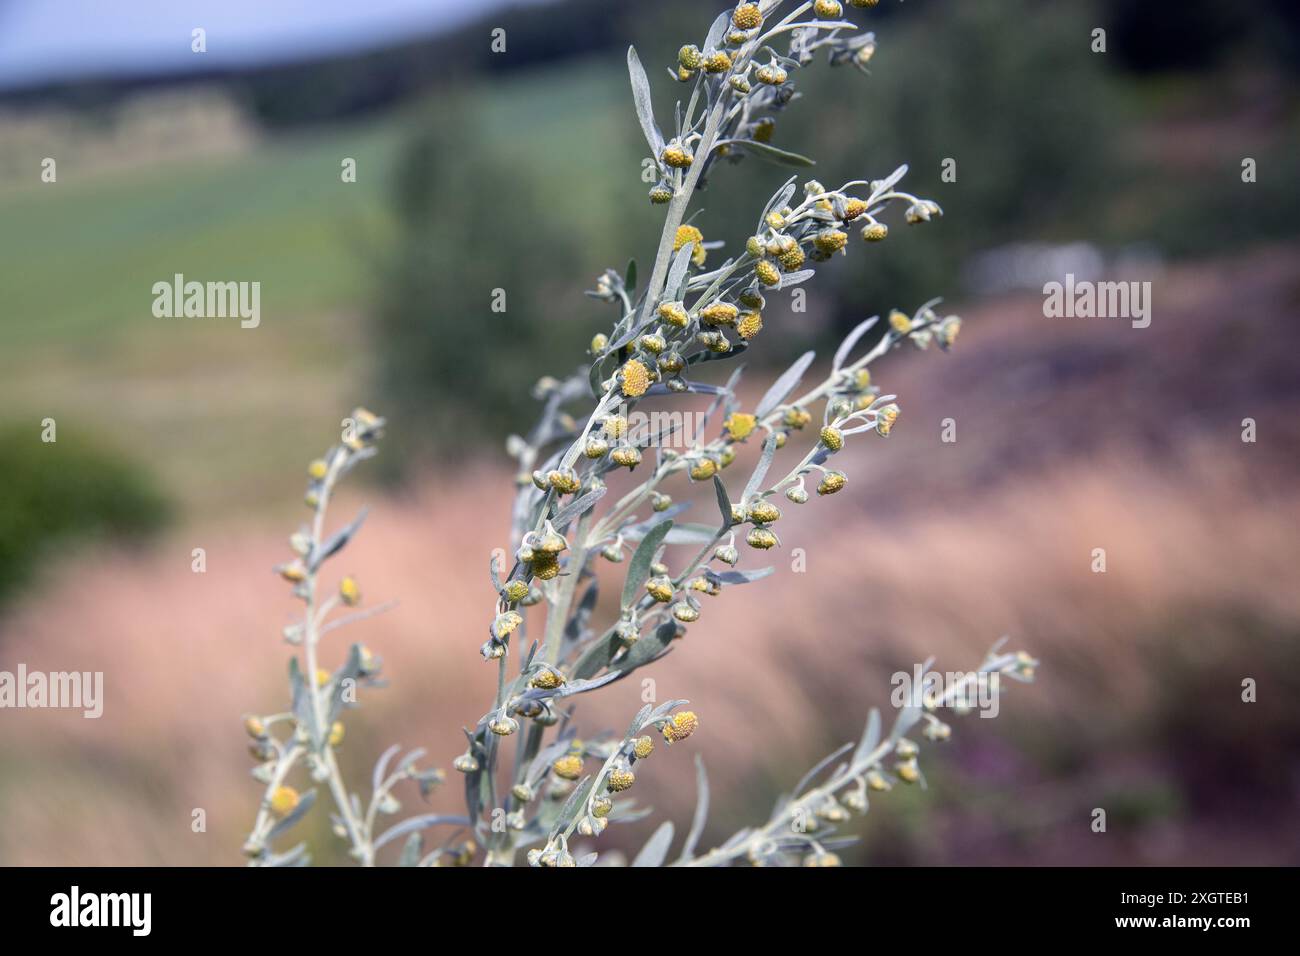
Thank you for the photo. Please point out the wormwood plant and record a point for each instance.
(531, 784)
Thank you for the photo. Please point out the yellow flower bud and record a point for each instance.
(718, 62)
(832, 438)
(568, 767)
(719, 313)
(747, 16)
(336, 733)
(703, 470)
(547, 679)
(674, 314)
(796, 417)
(620, 780)
(350, 592)
(660, 588)
(760, 538)
(739, 425)
(767, 273)
(690, 57)
(900, 322)
(293, 572)
(318, 469)
(680, 726)
(792, 258)
(626, 456)
(284, 800)
(830, 240)
(677, 157)
(643, 747)
(875, 232)
(832, 482)
(750, 324)
(636, 379)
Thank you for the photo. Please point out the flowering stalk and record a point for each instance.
(314, 728)
(686, 317)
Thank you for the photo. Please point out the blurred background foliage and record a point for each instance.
(68, 494)
(520, 172)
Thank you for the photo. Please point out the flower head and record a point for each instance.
(680, 726)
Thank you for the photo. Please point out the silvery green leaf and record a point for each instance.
(791, 279)
(381, 767)
(412, 851)
(629, 277)
(405, 763)
(764, 463)
(678, 271)
(784, 385)
(297, 856)
(821, 765)
(303, 710)
(638, 722)
(907, 718)
(597, 373)
(663, 710)
(635, 532)
(304, 804)
(890, 181)
(717, 31)
(691, 534)
(739, 577)
(656, 848)
(576, 799)
(870, 737)
(582, 614)
(638, 571)
(772, 154)
(779, 200)
(851, 340)
(350, 671)
(644, 106)
(649, 648)
(494, 573)
(588, 859)
(697, 388)
(701, 810)
(724, 503)
(577, 507)
(412, 824)
(335, 542)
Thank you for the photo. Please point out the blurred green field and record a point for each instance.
(226, 414)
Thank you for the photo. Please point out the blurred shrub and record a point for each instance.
(66, 491)
(1010, 91)
(501, 192)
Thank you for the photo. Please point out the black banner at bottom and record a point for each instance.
(306, 905)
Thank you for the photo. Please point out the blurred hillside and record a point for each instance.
(934, 548)
(520, 171)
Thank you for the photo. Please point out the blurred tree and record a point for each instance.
(68, 491)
